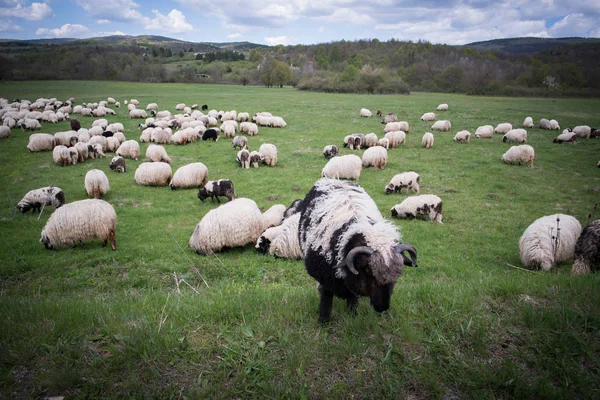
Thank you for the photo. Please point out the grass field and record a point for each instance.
(90, 322)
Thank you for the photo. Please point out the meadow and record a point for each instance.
(155, 320)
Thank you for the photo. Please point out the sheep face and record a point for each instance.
(203, 194)
(263, 244)
(46, 241)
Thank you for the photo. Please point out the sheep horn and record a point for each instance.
(412, 261)
(353, 253)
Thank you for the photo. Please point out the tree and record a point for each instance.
(266, 71)
(154, 52)
(349, 74)
(321, 57)
(282, 73)
(335, 55)
(255, 55)
(181, 54)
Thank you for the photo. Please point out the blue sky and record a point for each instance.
(286, 22)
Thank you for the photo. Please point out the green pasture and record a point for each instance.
(88, 322)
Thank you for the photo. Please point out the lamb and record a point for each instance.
(255, 158)
(583, 131)
(425, 205)
(37, 198)
(249, 128)
(282, 241)
(273, 216)
(62, 156)
(545, 124)
(129, 148)
(566, 136)
(528, 123)
(117, 164)
(80, 221)
(462, 136)
(503, 128)
(216, 189)
(484, 131)
(396, 126)
(442, 107)
(243, 158)
(232, 224)
(330, 151)
(190, 176)
(157, 153)
(515, 135)
(370, 140)
(41, 142)
(153, 174)
(239, 141)
(348, 247)
(101, 140)
(376, 157)
(96, 183)
(519, 154)
(442, 126)
(587, 250)
(269, 151)
(554, 125)
(549, 240)
(364, 112)
(343, 167)
(211, 134)
(409, 180)
(390, 117)
(429, 116)
(395, 138)
(427, 141)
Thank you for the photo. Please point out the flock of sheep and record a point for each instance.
(288, 232)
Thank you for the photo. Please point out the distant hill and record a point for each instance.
(529, 45)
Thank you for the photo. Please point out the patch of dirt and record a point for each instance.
(296, 189)
(450, 191)
(493, 196)
(272, 198)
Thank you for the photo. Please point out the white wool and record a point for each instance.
(519, 154)
(190, 176)
(96, 183)
(423, 205)
(129, 148)
(370, 140)
(153, 174)
(82, 151)
(364, 112)
(565, 136)
(120, 137)
(243, 116)
(157, 153)
(427, 141)
(515, 135)
(286, 244)
(261, 120)
(376, 156)
(395, 138)
(152, 106)
(41, 142)
(582, 131)
(343, 167)
(161, 135)
(503, 128)
(228, 130)
(273, 216)
(112, 144)
(137, 113)
(462, 136)
(269, 151)
(115, 127)
(396, 126)
(101, 140)
(270, 234)
(528, 122)
(232, 224)
(429, 116)
(95, 131)
(442, 107)
(537, 247)
(100, 122)
(61, 155)
(484, 131)
(554, 125)
(249, 128)
(384, 142)
(442, 125)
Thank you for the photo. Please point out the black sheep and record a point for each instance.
(587, 250)
(75, 124)
(204, 107)
(211, 134)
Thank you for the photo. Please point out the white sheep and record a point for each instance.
(282, 241)
(190, 176)
(503, 128)
(566, 136)
(137, 113)
(153, 174)
(425, 205)
(409, 180)
(384, 142)
(41, 142)
(152, 107)
(273, 216)
(428, 116)
(515, 135)
(157, 153)
(4, 131)
(229, 129)
(235, 223)
(96, 183)
(62, 156)
(484, 131)
(80, 221)
(343, 167)
(96, 131)
(545, 124)
(395, 138)
(83, 151)
(112, 144)
(583, 131)
(376, 157)
(37, 198)
(161, 136)
(129, 148)
(396, 126)
(101, 140)
(442, 126)
(370, 140)
(120, 137)
(102, 122)
(442, 107)
(243, 117)
(554, 125)
(528, 123)
(364, 112)
(180, 106)
(29, 124)
(519, 154)
(277, 122)
(239, 141)
(262, 120)
(549, 240)
(115, 127)
(243, 158)
(249, 128)
(463, 136)
(427, 140)
(269, 151)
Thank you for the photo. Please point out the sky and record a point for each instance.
(290, 22)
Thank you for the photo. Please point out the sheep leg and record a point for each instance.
(352, 304)
(113, 242)
(325, 304)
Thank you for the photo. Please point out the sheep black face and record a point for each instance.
(263, 244)
(204, 107)
(203, 194)
(390, 188)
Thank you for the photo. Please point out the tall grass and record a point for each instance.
(90, 322)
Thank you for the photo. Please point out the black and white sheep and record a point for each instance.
(117, 164)
(330, 151)
(216, 189)
(80, 221)
(348, 247)
(587, 250)
(256, 158)
(243, 158)
(281, 241)
(191, 175)
(37, 198)
(293, 208)
(409, 180)
(96, 183)
(343, 167)
(153, 174)
(567, 135)
(425, 205)
(239, 141)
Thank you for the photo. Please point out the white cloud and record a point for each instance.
(347, 15)
(273, 41)
(113, 10)
(574, 25)
(103, 22)
(65, 31)
(34, 12)
(234, 35)
(115, 33)
(174, 22)
(8, 26)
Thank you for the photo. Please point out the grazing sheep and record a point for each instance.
(243, 117)
(152, 106)
(395, 138)
(554, 125)
(384, 142)
(190, 176)
(277, 122)
(101, 140)
(117, 164)
(112, 144)
(273, 216)
(129, 148)
(232, 224)
(442, 107)
(157, 153)
(427, 141)
(390, 117)
(68, 138)
(249, 128)
(211, 134)
(62, 156)
(96, 151)
(116, 127)
(281, 241)
(442, 126)
(135, 102)
(545, 124)
(29, 124)
(370, 140)
(95, 131)
(354, 141)
(41, 142)
(376, 157)
(396, 126)
(75, 124)
(229, 129)
(503, 128)
(429, 116)
(4, 132)
(161, 136)
(255, 158)
(269, 151)
(348, 247)
(462, 136)
(364, 112)
(239, 141)
(83, 151)
(153, 174)
(343, 167)
(180, 106)
(330, 151)
(515, 135)
(425, 205)
(566, 136)
(485, 132)
(528, 123)
(243, 158)
(96, 183)
(102, 122)
(519, 154)
(409, 180)
(37, 198)
(583, 131)
(216, 189)
(549, 240)
(137, 113)
(587, 250)
(80, 221)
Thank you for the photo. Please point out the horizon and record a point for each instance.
(455, 22)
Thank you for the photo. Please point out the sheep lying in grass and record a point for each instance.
(442, 126)
(153, 174)
(330, 151)
(409, 180)
(484, 131)
(425, 205)
(232, 224)
(96, 183)
(515, 135)
(269, 151)
(549, 240)
(343, 167)
(80, 221)
(376, 157)
(503, 128)
(117, 164)
(190, 176)
(587, 250)
(156, 153)
(462, 136)
(519, 154)
(216, 189)
(273, 216)
(364, 112)
(281, 241)
(41, 142)
(37, 198)
(427, 140)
